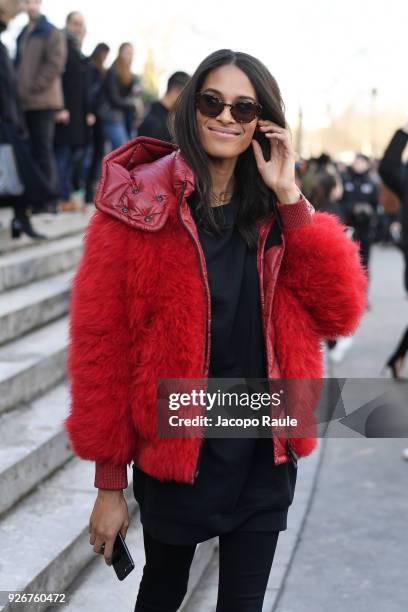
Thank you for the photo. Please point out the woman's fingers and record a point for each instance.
(98, 545)
(265, 123)
(104, 545)
(280, 137)
(108, 550)
(124, 529)
(271, 130)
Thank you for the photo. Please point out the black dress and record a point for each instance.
(238, 485)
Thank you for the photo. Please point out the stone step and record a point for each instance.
(45, 538)
(32, 364)
(27, 308)
(34, 263)
(53, 226)
(97, 588)
(34, 444)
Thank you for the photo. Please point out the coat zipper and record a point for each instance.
(292, 455)
(262, 298)
(207, 342)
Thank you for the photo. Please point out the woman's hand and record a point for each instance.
(279, 172)
(109, 516)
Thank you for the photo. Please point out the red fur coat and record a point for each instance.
(140, 310)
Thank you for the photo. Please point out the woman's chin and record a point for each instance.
(223, 151)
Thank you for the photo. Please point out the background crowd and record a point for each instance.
(63, 111)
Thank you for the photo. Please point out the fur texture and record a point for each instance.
(138, 310)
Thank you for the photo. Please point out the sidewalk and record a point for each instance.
(353, 548)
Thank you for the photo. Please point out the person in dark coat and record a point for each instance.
(394, 173)
(121, 91)
(74, 121)
(96, 74)
(12, 121)
(40, 62)
(360, 204)
(155, 124)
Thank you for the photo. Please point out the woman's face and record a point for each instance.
(127, 54)
(222, 136)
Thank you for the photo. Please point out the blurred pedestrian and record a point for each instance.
(96, 72)
(155, 124)
(394, 173)
(12, 131)
(360, 203)
(315, 172)
(325, 193)
(40, 61)
(117, 107)
(72, 131)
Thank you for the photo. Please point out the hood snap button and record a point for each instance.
(148, 218)
(135, 190)
(159, 198)
(125, 210)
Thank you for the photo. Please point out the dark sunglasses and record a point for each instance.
(243, 111)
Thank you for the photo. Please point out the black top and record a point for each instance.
(238, 485)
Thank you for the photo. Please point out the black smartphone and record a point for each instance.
(122, 561)
(265, 144)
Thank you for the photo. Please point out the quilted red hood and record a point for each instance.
(137, 191)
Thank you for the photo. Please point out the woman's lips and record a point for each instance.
(223, 133)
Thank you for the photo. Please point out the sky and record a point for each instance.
(325, 54)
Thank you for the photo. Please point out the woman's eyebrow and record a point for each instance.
(236, 98)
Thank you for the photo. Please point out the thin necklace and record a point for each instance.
(221, 198)
(219, 202)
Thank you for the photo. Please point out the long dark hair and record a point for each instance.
(97, 57)
(121, 68)
(255, 199)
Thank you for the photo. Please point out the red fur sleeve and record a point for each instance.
(99, 426)
(321, 266)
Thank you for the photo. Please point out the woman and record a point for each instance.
(96, 72)
(118, 104)
(202, 262)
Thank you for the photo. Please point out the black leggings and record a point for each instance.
(245, 561)
(402, 348)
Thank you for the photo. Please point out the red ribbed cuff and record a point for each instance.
(110, 476)
(297, 214)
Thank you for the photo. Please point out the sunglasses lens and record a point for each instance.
(244, 112)
(209, 105)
